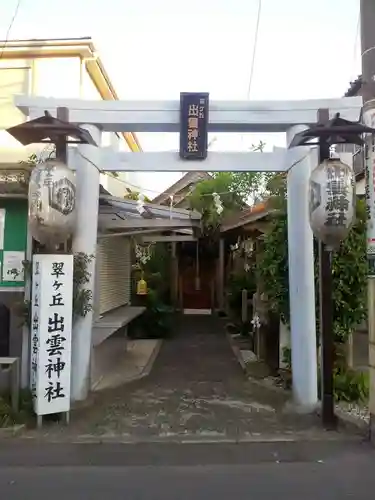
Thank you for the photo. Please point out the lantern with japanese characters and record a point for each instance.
(52, 202)
(332, 201)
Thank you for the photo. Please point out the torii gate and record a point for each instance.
(289, 117)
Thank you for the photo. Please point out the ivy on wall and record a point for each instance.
(349, 270)
(349, 274)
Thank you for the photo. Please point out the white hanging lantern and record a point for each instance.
(332, 201)
(52, 202)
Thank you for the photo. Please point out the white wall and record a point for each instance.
(51, 77)
(57, 77)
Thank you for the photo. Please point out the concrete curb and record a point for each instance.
(142, 373)
(237, 352)
(194, 439)
(150, 363)
(90, 401)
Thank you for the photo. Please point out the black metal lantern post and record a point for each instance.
(326, 134)
(50, 130)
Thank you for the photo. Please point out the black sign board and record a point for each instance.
(193, 125)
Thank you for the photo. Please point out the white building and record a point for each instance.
(69, 68)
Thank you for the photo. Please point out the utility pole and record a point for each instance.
(368, 92)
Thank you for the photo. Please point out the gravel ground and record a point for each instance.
(355, 411)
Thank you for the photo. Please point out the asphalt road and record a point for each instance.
(256, 471)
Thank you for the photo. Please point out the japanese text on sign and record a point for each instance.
(337, 204)
(195, 113)
(52, 313)
(193, 125)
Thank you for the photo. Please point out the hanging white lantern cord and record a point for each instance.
(332, 201)
(141, 203)
(218, 204)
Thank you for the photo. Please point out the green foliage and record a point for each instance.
(134, 195)
(351, 386)
(287, 357)
(236, 190)
(273, 266)
(156, 321)
(82, 297)
(201, 199)
(6, 414)
(26, 413)
(156, 272)
(237, 283)
(349, 270)
(35, 159)
(250, 187)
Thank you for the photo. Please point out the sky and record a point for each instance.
(157, 49)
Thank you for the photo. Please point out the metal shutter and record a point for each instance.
(114, 268)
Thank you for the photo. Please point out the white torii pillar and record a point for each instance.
(84, 240)
(301, 281)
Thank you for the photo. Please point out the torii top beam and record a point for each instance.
(163, 116)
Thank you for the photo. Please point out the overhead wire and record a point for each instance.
(253, 57)
(256, 36)
(10, 27)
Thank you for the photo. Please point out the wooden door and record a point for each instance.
(193, 297)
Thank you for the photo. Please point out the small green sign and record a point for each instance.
(13, 238)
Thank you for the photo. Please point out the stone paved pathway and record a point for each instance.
(196, 390)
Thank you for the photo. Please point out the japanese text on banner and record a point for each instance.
(53, 309)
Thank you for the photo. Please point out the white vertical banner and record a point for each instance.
(369, 119)
(51, 337)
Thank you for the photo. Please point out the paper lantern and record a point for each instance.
(52, 202)
(332, 201)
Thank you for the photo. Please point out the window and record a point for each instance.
(13, 81)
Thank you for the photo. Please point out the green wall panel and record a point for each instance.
(15, 234)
